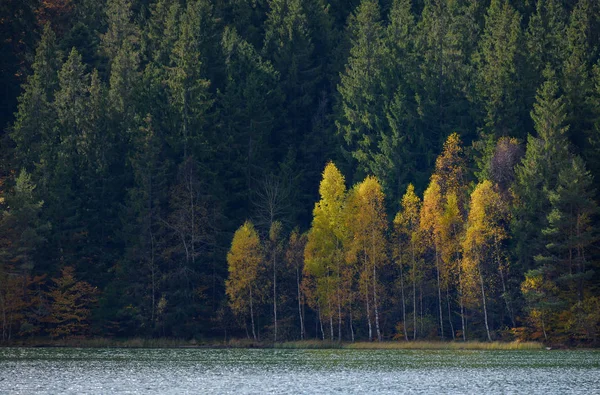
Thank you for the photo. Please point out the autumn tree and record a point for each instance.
(245, 262)
(323, 254)
(407, 249)
(294, 257)
(71, 303)
(430, 224)
(482, 246)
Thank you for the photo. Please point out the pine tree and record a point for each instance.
(445, 42)
(33, 128)
(545, 40)
(248, 106)
(120, 27)
(571, 231)
(22, 228)
(189, 87)
(537, 174)
(498, 63)
(362, 90)
(577, 81)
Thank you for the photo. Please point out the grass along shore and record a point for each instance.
(246, 343)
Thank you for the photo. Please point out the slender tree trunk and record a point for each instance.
(485, 314)
(414, 281)
(437, 269)
(274, 295)
(367, 303)
(351, 326)
(339, 298)
(375, 287)
(403, 304)
(462, 306)
(450, 313)
(300, 304)
(3, 301)
(321, 324)
(375, 305)
(252, 315)
(421, 306)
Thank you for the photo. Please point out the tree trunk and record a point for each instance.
(375, 287)
(462, 307)
(300, 304)
(367, 303)
(274, 296)
(403, 304)
(437, 268)
(252, 315)
(485, 314)
(450, 313)
(351, 325)
(321, 324)
(414, 281)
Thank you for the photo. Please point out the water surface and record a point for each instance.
(254, 371)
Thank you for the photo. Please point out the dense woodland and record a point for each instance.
(161, 169)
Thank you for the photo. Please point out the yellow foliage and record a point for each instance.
(245, 263)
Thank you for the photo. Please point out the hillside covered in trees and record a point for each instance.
(297, 169)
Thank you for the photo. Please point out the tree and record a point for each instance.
(245, 262)
(544, 40)
(33, 128)
(71, 302)
(571, 231)
(430, 224)
(369, 244)
(537, 174)
(294, 256)
(189, 87)
(498, 63)
(362, 119)
(247, 106)
(407, 225)
(275, 252)
(120, 27)
(482, 245)
(323, 254)
(22, 227)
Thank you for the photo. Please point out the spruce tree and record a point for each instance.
(499, 62)
(33, 128)
(536, 176)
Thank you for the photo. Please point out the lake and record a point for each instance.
(259, 371)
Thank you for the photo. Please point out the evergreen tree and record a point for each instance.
(571, 231)
(23, 230)
(536, 176)
(545, 41)
(248, 106)
(362, 90)
(498, 63)
(34, 124)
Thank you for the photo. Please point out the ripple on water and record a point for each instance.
(51, 371)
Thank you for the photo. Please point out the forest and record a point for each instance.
(282, 170)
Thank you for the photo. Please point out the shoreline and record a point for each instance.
(305, 344)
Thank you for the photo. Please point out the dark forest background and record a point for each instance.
(138, 135)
